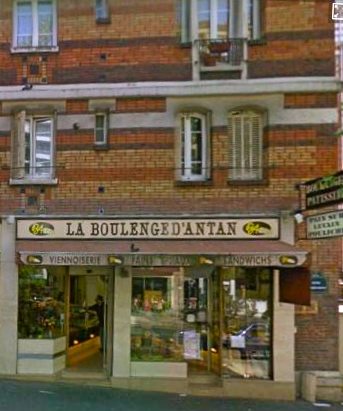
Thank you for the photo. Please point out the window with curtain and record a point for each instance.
(220, 19)
(35, 24)
(245, 129)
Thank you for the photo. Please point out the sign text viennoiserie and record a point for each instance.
(115, 229)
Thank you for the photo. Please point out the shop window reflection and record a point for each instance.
(246, 338)
(41, 302)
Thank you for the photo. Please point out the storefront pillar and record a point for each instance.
(8, 299)
(121, 324)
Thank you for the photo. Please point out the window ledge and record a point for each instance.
(36, 181)
(18, 50)
(247, 182)
(190, 183)
(101, 147)
(103, 20)
(257, 42)
(222, 67)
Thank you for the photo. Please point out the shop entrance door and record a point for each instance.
(202, 322)
(89, 320)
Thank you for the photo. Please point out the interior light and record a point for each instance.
(75, 342)
(92, 336)
(213, 350)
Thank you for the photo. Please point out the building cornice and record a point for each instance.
(173, 89)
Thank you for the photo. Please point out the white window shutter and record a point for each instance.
(18, 146)
(245, 146)
(256, 148)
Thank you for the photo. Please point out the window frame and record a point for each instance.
(185, 167)
(238, 172)
(35, 29)
(19, 173)
(105, 117)
(251, 29)
(102, 13)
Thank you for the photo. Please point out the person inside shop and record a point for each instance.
(99, 308)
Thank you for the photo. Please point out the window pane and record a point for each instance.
(24, 24)
(45, 23)
(156, 316)
(204, 19)
(43, 142)
(100, 128)
(246, 339)
(223, 19)
(41, 302)
(101, 9)
(28, 147)
(183, 146)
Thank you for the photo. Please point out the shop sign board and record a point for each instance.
(149, 260)
(324, 191)
(325, 225)
(148, 228)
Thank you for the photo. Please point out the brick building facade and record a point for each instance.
(168, 110)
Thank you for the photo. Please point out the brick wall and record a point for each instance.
(141, 43)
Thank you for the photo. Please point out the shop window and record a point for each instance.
(245, 129)
(41, 302)
(247, 322)
(35, 25)
(174, 318)
(32, 148)
(194, 147)
(156, 320)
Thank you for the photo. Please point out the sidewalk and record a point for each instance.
(52, 396)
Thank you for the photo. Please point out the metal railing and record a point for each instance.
(214, 51)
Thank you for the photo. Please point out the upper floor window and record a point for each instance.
(101, 128)
(194, 164)
(32, 147)
(220, 19)
(34, 24)
(245, 145)
(102, 13)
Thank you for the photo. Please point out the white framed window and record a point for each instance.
(102, 12)
(35, 24)
(220, 19)
(245, 129)
(32, 147)
(194, 136)
(101, 128)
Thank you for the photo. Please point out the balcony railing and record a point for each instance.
(225, 51)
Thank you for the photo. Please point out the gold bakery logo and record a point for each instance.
(288, 259)
(257, 228)
(41, 229)
(34, 259)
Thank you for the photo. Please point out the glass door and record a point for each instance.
(90, 320)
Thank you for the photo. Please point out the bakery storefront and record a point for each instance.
(160, 298)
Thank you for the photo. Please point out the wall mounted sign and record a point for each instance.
(149, 228)
(162, 260)
(324, 191)
(325, 225)
(318, 283)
